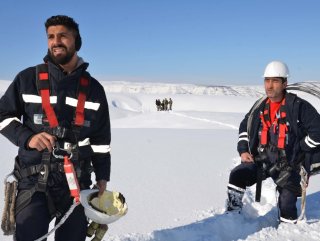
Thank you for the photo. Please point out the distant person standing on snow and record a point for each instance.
(275, 141)
(170, 102)
(162, 104)
(46, 98)
(158, 104)
(165, 104)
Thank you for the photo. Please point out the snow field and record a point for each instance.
(173, 167)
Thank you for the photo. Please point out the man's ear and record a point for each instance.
(285, 84)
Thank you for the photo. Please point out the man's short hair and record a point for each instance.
(282, 78)
(68, 23)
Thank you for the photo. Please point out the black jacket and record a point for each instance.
(21, 116)
(303, 128)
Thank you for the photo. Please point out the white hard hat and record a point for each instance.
(114, 206)
(276, 69)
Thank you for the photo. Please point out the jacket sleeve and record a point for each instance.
(100, 141)
(243, 141)
(310, 120)
(245, 137)
(11, 111)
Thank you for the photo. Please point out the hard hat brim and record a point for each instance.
(93, 214)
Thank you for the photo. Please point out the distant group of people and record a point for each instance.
(165, 104)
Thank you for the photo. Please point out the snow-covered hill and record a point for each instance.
(162, 88)
(173, 167)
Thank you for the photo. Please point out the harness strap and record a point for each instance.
(44, 88)
(41, 185)
(36, 169)
(283, 129)
(43, 84)
(264, 131)
(82, 96)
(266, 124)
(265, 119)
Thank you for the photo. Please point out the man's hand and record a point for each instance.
(246, 157)
(102, 186)
(42, 141)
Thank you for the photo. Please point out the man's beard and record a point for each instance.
(62, 60)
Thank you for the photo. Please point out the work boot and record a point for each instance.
(234, 201)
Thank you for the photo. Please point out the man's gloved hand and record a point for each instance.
(98, 230)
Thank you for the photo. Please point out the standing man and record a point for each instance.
(165, 104)
(273, 136)
(158, 104)
(170, 102)
(64, 112)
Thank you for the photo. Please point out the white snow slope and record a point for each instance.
(173, 167)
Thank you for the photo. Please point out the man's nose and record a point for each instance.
(56, 40)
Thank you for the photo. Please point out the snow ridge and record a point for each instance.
(166, 88)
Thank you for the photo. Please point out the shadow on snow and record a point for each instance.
(221, 227)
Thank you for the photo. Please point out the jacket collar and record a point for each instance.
(81, 64)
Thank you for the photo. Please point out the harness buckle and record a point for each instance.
(59, 132)
(60, 153)
(261, 148)
(282, 153)
(69, 146)
(44, 171)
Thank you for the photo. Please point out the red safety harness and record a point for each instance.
(44, 89)
(280, 122)
(51, 123)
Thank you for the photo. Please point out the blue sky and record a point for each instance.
(210, 42)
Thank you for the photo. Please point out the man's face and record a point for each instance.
(61, 44)
(274, 88)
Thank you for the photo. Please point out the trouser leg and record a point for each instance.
(32, 222)
(240, 177)
(287, 206)
(243, 175)
(74, 228)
